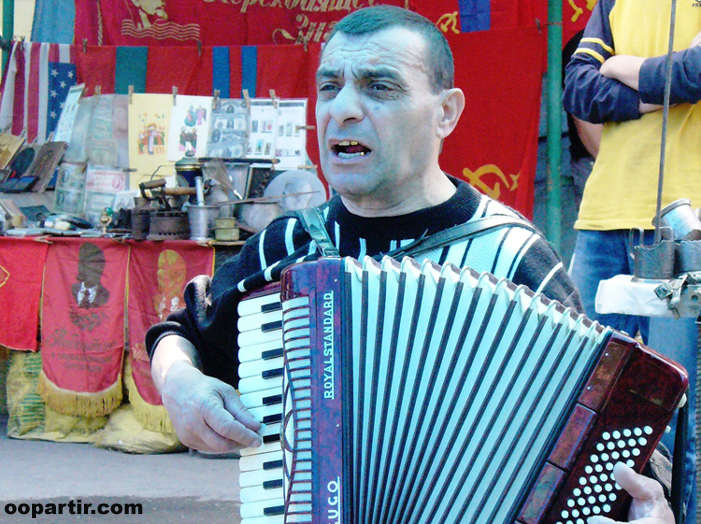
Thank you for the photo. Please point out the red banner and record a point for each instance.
(158, 272)
(21, 272)
(82, 339)
(495, 144)
(575, 15)
(261, 22)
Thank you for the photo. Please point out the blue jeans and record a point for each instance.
(599, 255)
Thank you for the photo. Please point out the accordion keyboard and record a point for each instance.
(260, 387)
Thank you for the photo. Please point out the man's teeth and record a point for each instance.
(359, 149)
(351, 155)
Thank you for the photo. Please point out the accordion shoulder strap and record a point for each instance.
(463, 231)
(313, 222)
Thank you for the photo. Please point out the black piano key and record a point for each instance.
(272, 400)
(274, 510)
(271, 419)
(272, 484)
(271, 354)
(268, 439)
(272, 373)
(273, 464)
(267, 308)
(271, 326)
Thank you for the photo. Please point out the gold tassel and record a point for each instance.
(77, 403)
(153, 418)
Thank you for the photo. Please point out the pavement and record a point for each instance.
(172, 488)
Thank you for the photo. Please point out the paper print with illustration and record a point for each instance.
(189, 126)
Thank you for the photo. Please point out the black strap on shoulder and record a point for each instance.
(471, 229)
(313, 222)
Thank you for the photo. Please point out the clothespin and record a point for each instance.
(175, 94)
(131, 94)
(306, 128)
(537, 24)
(274, 98)
(199, 48)
(98, 90)
(308, 166)
(85, 45)
(215, 102)
(246, 99)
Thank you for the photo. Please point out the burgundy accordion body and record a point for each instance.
(408, 394)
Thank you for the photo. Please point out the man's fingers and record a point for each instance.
(638, 486)
(233, 404)
(223, 423)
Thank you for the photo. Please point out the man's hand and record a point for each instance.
(649, 505)
(624, 68)
(207, 413)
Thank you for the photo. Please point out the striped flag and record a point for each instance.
(36, 84)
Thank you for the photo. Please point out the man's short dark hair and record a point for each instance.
(439, 57)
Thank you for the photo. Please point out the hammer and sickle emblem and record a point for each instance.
(449, 21)
(577, 10)
(475, 179)
(4, 276)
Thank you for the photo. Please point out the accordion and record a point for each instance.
(405, 393)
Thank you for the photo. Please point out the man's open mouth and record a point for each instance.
(350, 149)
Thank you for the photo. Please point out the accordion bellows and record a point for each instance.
(427, 394)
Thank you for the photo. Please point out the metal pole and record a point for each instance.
(554, 124)
(8, 27)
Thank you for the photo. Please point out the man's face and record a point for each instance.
(376, 116)
(153, 7)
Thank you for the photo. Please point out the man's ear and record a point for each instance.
(452, 105)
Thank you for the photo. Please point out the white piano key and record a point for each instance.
(262, 413)
(258, 367)
(257, 509)
(258, 321)
(271, 441)
(257, 351)
(275, 519)
(260, 462)
(262, 398)
(251, 338)
(251, 306)
(259, 494)
(251, 384)
(257, 477)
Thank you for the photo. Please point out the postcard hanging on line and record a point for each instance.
(149, 134)
(64, 128)
(189, 125)
(228, 132)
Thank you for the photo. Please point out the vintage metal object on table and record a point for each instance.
(226, 229)
(201, 220)
(653, 262)
(681, 219)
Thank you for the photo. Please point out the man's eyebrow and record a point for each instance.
(374, 73)
(325, 73)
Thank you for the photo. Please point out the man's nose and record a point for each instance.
(347, 105)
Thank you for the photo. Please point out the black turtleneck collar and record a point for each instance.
(458, 209)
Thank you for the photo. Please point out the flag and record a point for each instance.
(21, 272)
(53, 21)
(36, 84)
(96, 66)
(82, 333)
(131, 70)
(158, 272)
(494, 146)
(192, 76)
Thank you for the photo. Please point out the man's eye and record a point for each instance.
(326, 88)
